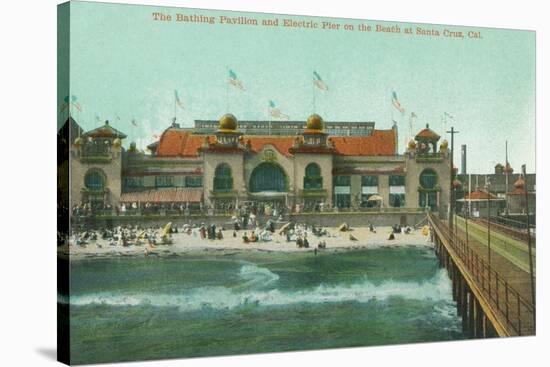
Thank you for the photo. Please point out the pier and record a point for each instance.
(493, 298)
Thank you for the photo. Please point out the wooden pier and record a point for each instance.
(488, 304)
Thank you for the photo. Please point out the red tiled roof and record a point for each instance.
(105, 131)
(281, 143)
(380, 142)
(427, 133)
(174, 195)
(480, 195)
(176, 142)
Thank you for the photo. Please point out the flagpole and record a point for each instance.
(313, 94)
(226, 91)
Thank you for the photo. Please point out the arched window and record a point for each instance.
(427, 195)
(223, 181)
(94, 180)
(313, 179)
(428, 179)
(268, 176)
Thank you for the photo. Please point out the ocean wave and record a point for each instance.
(438, 288)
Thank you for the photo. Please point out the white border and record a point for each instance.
(28, 329)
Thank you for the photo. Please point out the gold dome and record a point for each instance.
(412, 144)
(117, 143)
(314, 122)
(444, 145)
(228, 123)
(520, 183)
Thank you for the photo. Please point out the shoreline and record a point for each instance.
(186, 244)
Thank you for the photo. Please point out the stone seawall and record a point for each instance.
(358, 219)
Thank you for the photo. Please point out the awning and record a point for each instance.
(174, 195)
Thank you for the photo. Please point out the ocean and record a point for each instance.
(219, 303)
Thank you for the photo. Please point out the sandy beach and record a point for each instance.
(187, 243)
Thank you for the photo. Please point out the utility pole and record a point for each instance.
(452, 174)
(487, 185)
(529, 246)
(507, 177)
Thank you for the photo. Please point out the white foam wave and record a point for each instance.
(254, 274)
(437, 288)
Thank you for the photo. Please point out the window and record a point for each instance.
(313, 179)
(223, 181)
(428, 179)
(94, 180)
(268, 176)
(193, 181)
(342, 191)
(369, 188)
(133, 182)
(397, 191)
(427, 196)
(164, 181)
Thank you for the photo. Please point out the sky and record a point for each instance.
(125, 66)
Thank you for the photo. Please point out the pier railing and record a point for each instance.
(512, 308)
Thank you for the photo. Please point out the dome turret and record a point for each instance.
(314, 122)
(228, 123)
(520, 183)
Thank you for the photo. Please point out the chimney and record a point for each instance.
(463, 159)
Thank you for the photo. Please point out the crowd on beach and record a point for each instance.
(244, 227)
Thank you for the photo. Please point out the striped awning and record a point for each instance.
(173, 195)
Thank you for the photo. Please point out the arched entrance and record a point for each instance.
(268, 177)
(268, 186)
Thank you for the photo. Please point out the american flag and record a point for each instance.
(234, 80)
(318, 82)
(276, 112)
(395, 102)
(134, 122)
(448, 115)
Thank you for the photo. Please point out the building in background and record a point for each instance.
(310, 170)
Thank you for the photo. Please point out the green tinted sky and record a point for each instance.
(124, 63)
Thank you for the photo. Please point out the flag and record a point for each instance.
(234, 80)
(134, 122)
(413, 115)
(318, 82)
(177, 99)
(276, 112)
(448, 115)
(395, 102)
(97, 117)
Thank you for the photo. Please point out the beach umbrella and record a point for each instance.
(166, 229)
(284, 227)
